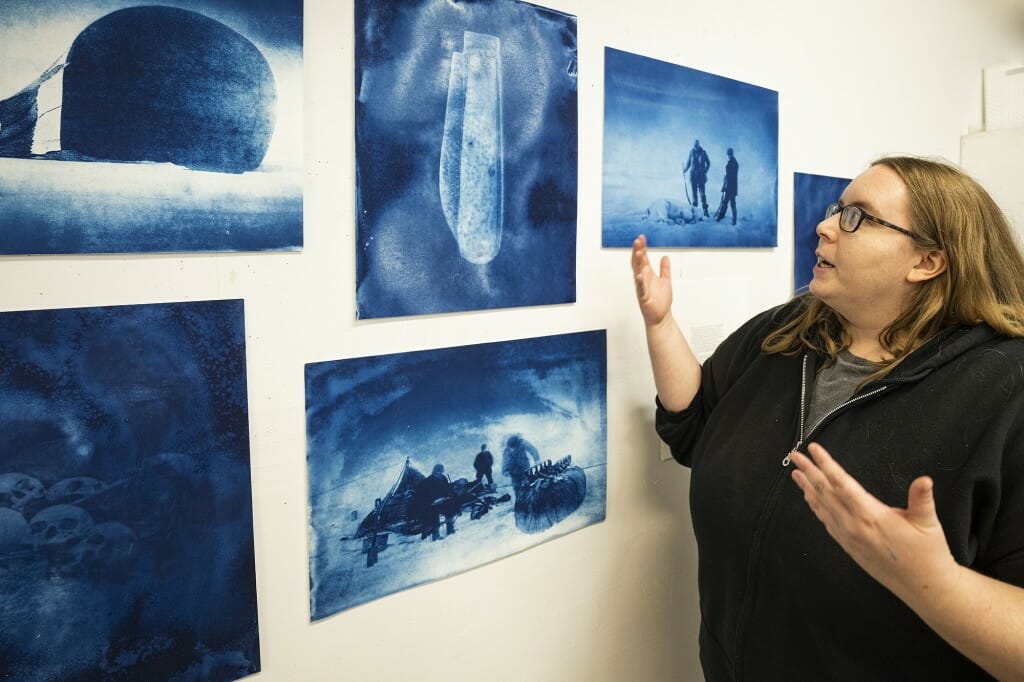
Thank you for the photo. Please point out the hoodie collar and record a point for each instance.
(943, 348)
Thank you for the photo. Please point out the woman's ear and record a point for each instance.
(932, 264)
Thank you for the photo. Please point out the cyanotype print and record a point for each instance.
(126, 533)
(472, 154)
(690, 158)
(811, 195)
(130, 128)
(426, 464)
(466, 147)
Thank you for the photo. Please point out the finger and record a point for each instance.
(818, 453)
(835, 473)
(844, 490)
(640, 244)
(641, 269)
(641, 290)
(809, 470)
(815, 501)
(837, 484)
(809, 477)
(816, 488)
(921, 501)
(639, 254)
(805, 485)
(666, 268)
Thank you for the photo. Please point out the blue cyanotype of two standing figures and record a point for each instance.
(690, 158)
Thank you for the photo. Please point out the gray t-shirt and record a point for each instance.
(835, 385)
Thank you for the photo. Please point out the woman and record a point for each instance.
(892, 395)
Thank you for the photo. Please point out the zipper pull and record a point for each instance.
(789, 455)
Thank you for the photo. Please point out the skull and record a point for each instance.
(18, 491)
(57, 530)
(13, 530)
(74, 490)
(107, 547)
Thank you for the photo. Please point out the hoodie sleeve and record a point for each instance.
(680, 430)
(992, 515)
(1006, 546)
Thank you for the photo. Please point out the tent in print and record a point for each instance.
(429, 463)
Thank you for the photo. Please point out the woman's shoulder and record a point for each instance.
(977, 346)
(996, 347)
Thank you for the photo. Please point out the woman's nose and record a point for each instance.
(828, 227)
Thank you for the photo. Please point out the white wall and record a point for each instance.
(996, 159)
(616, 601)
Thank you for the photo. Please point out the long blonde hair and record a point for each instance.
(984, 280)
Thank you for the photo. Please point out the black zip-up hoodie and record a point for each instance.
(779, 598)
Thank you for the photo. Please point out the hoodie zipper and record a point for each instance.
(803, 405)
(769, 509)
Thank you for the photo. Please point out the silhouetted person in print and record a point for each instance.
(698, 164)
(517, 460)
(730, 187)
(433, 497)
(484, 465)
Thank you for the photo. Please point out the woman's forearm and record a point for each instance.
(677, 373)
(981, 617)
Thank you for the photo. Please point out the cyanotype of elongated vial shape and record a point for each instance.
(471, 180)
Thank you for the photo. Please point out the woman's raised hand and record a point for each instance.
(653, 290)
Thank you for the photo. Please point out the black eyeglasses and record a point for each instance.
(851, 217)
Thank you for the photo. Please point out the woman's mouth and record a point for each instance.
(822, 263)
